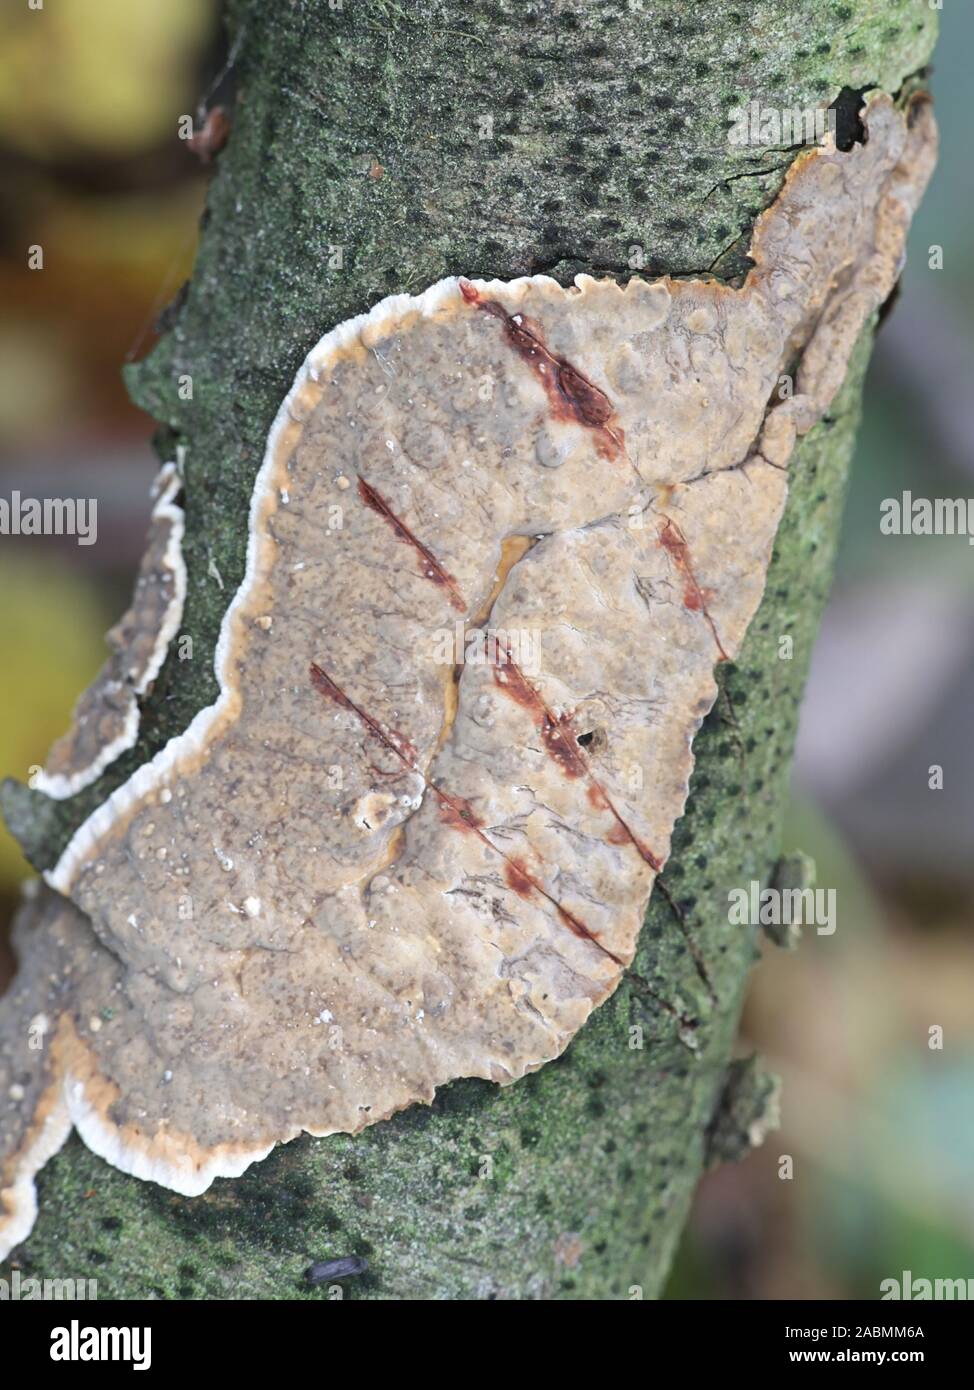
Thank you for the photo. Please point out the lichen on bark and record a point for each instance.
(604, 127)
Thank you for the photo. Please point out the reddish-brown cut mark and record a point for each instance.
(521, 881)
(455, 810)
(212, 135)
(579, 928)
(433, 570)
(562, 746)
(673, 541)
(518, 878)
(383, 771)
(397, 743)
(556, 733)
(571, 396)
(470, 292)
(458, 812)
(622, 833)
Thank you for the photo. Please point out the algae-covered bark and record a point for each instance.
(377, 149)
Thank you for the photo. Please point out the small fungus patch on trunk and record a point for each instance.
(106, 717)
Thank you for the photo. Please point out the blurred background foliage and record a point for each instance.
(880, 1128)
(93, 172)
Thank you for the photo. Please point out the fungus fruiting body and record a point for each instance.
(106, 717)
(373, 866)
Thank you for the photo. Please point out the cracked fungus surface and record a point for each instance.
(374, 866)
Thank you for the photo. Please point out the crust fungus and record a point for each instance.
(502, 535)
(106, 717)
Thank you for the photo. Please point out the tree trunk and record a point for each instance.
(377, 148)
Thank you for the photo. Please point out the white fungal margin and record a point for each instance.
(189, 1178)
(193, 740)
(20, 1199)
(58, 785)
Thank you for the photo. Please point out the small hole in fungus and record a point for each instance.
(593, 739)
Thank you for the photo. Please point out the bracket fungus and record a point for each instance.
(385, 858)
(106, 717)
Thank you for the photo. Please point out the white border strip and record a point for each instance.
(151, 776)
(60, 786)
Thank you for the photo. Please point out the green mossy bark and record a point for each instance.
(609, 131)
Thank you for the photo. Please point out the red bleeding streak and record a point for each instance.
(673, 541)
(571, 395)
(455, 810)
(562, 746)
(432, 569)
(458, 812)
(396, 743)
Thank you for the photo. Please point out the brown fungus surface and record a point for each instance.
(502, 535)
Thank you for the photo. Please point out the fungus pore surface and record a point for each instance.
(502, 535)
